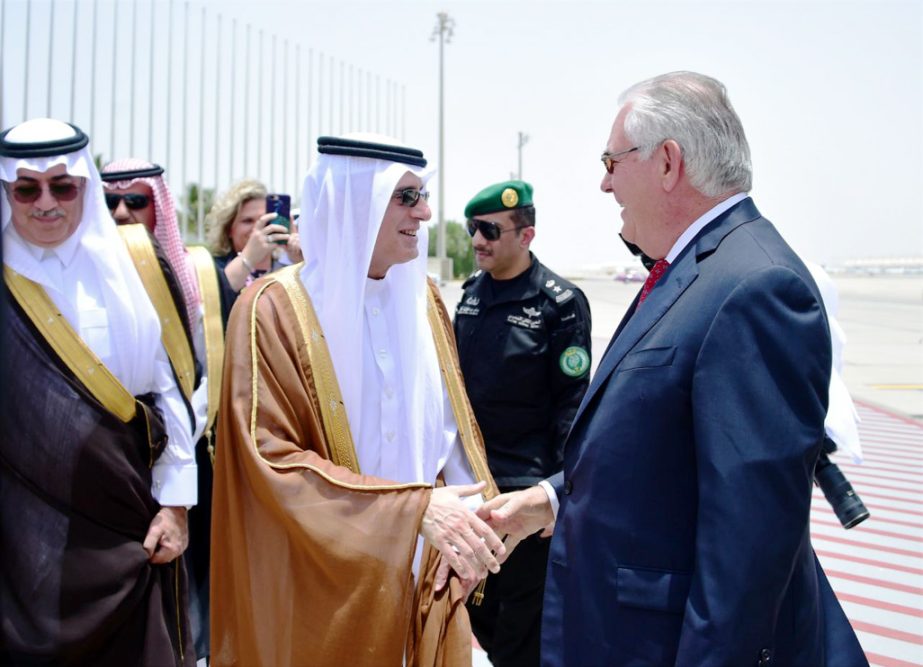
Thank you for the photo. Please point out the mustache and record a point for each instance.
(50, 213)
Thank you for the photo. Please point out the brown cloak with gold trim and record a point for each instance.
(311, 563)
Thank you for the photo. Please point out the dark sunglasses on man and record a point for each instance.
(134, 202)
(410, 196)
(489, 230)
(30, 193)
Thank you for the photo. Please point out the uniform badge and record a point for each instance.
(509, 198)
(574, 361)
(531, 312)
(467, 310)
(472, 301)
(549, 283)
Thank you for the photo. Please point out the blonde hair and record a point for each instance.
(225, 209)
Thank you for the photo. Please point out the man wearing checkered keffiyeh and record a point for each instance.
(165, 225)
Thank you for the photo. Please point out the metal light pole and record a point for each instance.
(523, 140)
(443, 30)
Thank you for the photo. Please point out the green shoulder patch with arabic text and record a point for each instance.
(574, 361)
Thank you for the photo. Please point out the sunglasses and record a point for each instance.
(609, 159)
(132, 201)
(28, 194)
(489, 230)
(410, 196)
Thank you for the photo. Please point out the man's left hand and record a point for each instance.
(168, 535)
(444, 571)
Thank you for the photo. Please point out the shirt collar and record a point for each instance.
(699, 224)
(65, 251)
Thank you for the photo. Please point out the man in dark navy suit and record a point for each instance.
(682, 534)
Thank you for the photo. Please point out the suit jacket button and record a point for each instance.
(568, 487)
(765, 657)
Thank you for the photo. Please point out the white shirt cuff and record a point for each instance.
(175, 485)
(200, 409)
(552, 497)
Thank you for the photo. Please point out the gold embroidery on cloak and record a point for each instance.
(173, 335)
(318, 356)
(451, 375)
(70, 348)
(458, 397)
(212, 326)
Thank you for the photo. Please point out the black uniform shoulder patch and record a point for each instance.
(470, 280)
(556, 288)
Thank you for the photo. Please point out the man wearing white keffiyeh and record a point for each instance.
(96, 460)
(342, 409)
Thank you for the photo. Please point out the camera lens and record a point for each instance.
(846, 503)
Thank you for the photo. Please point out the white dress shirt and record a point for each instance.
(174, 472)
(383, 446)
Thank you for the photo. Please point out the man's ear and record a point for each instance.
(671, 164)
(526, 234)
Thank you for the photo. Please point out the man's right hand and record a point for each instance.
(518, 513)
(467, 543)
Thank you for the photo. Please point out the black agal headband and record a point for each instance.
(16, 149)
(355, 148)
(144, 172)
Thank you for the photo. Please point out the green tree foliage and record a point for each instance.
(457, 246)
(187, 210)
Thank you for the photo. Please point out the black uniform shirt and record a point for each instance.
(524, 346)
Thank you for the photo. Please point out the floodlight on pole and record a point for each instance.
(443, 31)
(523, 140)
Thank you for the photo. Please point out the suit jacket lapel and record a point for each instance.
(674, 282)
(635, 324)
(625, 318)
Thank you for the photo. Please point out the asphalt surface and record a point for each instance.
(882, 316)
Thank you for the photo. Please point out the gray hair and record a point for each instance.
(693, 110)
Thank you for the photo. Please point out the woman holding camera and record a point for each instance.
(244, 239)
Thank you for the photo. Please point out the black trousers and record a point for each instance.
(508, 622)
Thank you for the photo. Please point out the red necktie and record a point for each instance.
(656, 271)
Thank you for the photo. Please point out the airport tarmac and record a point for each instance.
(882, 316)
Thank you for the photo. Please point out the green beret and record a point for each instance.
(500, 197)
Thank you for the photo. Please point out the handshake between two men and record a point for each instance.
(469, 542)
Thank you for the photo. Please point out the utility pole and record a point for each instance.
(443, 30)
(523, 140)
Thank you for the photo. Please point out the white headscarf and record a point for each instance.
(134, 329)
(342, 206)
(842, 422)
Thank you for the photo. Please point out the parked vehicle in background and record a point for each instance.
(631, 276)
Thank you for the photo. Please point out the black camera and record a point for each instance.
(846, 503)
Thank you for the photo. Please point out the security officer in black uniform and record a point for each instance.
(523, 337)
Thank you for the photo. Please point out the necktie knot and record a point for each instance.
(656, 272)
